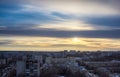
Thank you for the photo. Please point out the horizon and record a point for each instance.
(58, 51)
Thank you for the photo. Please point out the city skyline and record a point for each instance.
(53, 25)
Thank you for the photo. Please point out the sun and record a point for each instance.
(75, 39)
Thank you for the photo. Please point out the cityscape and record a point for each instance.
(59, 38)
(60, 64)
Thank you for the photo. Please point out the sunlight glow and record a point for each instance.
(75, 39)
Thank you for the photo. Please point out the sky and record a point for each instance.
(55, 25)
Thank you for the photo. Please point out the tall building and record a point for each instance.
(33, 66)
(20, 68)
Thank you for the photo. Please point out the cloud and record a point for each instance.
(52, 43)
(58, 33)
(5, 42)
(5, 2)
(53, 14)
(109, 21)
(68, 25)
(76, 7)
(58, 21)
(25, 18)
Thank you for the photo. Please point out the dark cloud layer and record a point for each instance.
(113, 21)
(5, 42)
(53, 33)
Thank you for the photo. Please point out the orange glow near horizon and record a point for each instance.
(54, 44)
